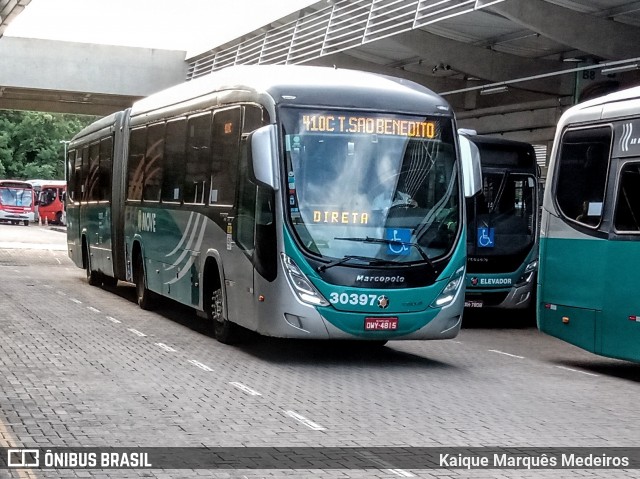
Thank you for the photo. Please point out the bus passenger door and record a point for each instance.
(621, 315)
(74, 180)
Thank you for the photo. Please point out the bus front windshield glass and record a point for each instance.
(378, 187)
(16, 197)
(501, 220)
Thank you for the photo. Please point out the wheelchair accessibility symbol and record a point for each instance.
(486, 237)
(403, 238)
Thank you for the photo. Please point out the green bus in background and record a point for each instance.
(589, 245)
(293, 201)
(502, 221)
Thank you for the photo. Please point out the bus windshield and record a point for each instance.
(15, 196)
(502, 215)
(376, 186)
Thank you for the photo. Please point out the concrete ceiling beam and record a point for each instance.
(601, 37)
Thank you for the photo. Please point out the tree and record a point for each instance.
(30, 143)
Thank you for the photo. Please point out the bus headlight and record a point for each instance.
(306, 292)
(450, 290)
(529, 273)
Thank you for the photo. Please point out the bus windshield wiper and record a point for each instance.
(367, 259)
(392, 242)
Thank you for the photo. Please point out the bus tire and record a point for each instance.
(58, 218)
(26, 222)
(93, 277)
(224, 330)
(109, 281)
(143, 295)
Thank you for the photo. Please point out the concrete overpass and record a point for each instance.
(66, 77)
(508, 67)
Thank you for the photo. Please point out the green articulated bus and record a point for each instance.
(502, 221)
(590, 237)
(297, 202)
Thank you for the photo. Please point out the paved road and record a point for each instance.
(84, 366)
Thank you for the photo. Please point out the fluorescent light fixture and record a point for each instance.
(493, 90)
(621, 68)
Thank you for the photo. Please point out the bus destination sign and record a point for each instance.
(378, 125)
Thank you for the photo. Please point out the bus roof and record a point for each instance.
(41, 183)
(15, 184)
(516, 154)
(305, 85)
(614, 105)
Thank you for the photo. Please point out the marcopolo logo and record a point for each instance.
(361, 278)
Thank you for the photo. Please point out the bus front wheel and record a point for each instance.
(143, 294)
(224, 330)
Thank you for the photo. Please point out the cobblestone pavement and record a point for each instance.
(85, 367)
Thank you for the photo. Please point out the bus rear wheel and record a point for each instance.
(93, 277)
(143, 294)
(224, 330)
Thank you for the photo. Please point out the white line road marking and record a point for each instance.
(137, 333)
(91, 308)
(113, 320)
(303, 420)
(204, 367)
(61, 293)
(506, 354)
(246, 389)
(77, 301)
(577, 371)
(169, 349)
(401, 472)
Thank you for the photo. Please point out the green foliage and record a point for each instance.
(30, 143)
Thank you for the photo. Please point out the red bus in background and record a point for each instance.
(17, 202)
(51, 196)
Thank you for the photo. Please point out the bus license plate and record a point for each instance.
(474, 303)
(380, 324)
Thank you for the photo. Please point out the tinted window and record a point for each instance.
(82, 162)
(582, 173)
(173, 161)
(198, 159)
(74, 169)
(225, 147)
(627, 216)
(106, 155)
(135, 169)
(154, 154)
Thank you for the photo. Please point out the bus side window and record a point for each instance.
(582, 174)
(72, 173)
(198, 159)
(627, 216)
(173, 161)
(104, 175)
(92, 190)
(135, 165)
(225, 154)
(82, 162)
(154, 157)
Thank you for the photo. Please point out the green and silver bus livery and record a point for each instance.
(296, 202)
(589, 244)
(502, 224)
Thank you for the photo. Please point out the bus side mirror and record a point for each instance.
(263, 157)
(471, 167)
